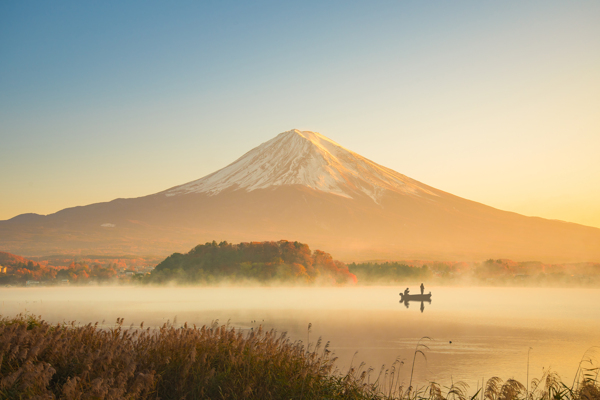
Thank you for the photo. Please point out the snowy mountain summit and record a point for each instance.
(303, 186)
(309, 159)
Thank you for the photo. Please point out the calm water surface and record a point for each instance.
(476, 332)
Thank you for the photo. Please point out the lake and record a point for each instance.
(476, 332)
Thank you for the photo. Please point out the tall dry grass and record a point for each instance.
(39, 360)
(43, 361)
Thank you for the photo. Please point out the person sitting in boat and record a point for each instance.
(406, 291)
(422, 288)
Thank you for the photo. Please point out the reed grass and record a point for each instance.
(39, 360)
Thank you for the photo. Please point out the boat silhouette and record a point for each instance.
(415, 297)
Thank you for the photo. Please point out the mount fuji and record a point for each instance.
(303, 186)
(308, 159)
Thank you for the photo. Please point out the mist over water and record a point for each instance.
(477, 332)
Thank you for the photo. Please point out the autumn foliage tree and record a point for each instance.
(281, 261)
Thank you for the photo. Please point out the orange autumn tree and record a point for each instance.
(282, 261)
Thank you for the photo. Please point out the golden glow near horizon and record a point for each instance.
(496, 103)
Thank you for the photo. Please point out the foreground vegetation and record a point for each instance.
(43, 361)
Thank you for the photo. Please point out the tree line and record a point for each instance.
(281, 261)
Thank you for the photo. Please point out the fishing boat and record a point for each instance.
(415, 297)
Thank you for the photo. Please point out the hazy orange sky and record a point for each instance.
(497, 102)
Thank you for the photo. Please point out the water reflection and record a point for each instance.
(406, 298)
(491, 329)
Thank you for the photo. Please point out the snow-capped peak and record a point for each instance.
(304, 158)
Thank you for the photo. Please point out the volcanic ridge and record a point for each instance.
(303, 186)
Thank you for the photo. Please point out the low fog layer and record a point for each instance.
(490, 328)
(284, 263)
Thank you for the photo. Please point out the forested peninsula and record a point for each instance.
(282, 261)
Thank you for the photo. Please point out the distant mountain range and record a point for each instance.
(303, 186)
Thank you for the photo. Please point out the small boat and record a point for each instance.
(415, 297)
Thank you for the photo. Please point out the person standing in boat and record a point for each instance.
(422, 288)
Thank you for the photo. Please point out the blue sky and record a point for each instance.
(497, 102)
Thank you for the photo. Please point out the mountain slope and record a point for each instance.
(303, 186)
(308, 159)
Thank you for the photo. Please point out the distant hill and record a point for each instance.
(14, 261)
(305, 186)
(282, 261)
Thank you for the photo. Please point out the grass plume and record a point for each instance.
(39, 360)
